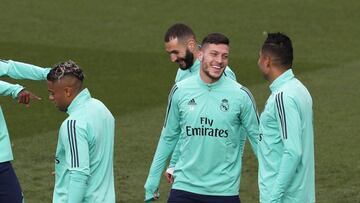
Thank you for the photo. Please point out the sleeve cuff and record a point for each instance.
(150, 190)
(19, 88)
(170, 170)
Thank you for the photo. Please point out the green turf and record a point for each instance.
(119, 45)
(335, 145)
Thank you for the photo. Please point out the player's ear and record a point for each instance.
(68, 91)
(200, 57)
(191, 45)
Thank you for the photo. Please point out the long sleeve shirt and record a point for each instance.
(208, 119)
(84, 154)
(16, 70)
(286, 146)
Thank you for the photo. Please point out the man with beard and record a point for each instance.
(206, 112)
(182, 47)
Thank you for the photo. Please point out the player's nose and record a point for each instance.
(173, 57)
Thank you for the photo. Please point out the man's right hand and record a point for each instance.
(169, 174)
(24, 97)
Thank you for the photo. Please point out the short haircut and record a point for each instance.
(67, 68)
(180, 31)
(215, 38)
(279, 45)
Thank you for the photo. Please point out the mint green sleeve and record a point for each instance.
(76, 145)
(77, 187)
(250, 119)
(7, 89)
(175, 155)
(169, 137)
(288, 117)
(18, 70)
(229, 73)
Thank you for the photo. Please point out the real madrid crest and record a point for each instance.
(224, 106)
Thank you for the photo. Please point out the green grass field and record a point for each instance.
(119, 44)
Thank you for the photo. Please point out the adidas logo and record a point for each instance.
(192, 102)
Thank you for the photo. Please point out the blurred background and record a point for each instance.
(119, 45)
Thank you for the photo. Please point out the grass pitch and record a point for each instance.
(119, 44)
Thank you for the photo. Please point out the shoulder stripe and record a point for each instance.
(252, 101)
(173, 90)
(73, 143)
(281, 110)
(70, 142)
(278, 106)
(76, 147)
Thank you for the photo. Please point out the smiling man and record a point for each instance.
(183, 49)
(84, 154)
(181, 45)
(206, 111)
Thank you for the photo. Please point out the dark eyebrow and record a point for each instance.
(173, 52)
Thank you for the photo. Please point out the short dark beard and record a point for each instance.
(214, 78)
(189, 60)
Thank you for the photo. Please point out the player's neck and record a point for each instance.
(196, 54)
(207, 79)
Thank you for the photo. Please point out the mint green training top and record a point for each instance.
(181, 75)
(286, 146)
(16, 70)
(208, 118)
(84, 154)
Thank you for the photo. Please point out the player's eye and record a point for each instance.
(213, 54)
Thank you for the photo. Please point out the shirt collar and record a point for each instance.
(210, 85)
(283, 78)
(195, 66)
(82, 97)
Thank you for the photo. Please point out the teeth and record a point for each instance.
(217, 67)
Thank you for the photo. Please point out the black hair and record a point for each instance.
(279, 45)
(180, 31)
(67, 68)
(215, 38)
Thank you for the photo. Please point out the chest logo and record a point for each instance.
(192, 104)
(224, 106)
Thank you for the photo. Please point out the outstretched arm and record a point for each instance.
(19, 70)
(8, 89)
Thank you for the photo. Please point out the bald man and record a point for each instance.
(84, 154)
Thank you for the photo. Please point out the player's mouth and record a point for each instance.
(181, 63)
(216, 67)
